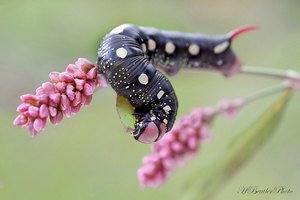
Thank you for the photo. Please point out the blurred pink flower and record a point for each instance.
(230, 107)
(62, 96)
(180, 143)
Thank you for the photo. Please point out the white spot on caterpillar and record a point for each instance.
(160, 94)
(221, 47)
(119, 29)
(144, 47)
(219, 62)
(143, 79)
(153, 118)
(121, 52)
(169, 48)
(151, 45)
(167, 109)
(194, 49)
(165, 121)
(197, 64)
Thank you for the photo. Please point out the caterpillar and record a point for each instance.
(129, 56)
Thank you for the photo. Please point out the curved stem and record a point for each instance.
(271, 72)
(232, 106)
(267, 91)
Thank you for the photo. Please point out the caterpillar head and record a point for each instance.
(148, 130)
(224, 58)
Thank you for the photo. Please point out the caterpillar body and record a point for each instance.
(129, 55)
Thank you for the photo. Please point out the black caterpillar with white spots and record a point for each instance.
(128, 58)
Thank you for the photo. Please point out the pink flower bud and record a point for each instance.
(66, 77)
(31, 129)
(20, 120)
(54, 98)
(44, 111)
(57, 118)
(48, 88)
(54, 76)
(33, 111)
(84, 64)
(87, 89)
(72, 68)
(52, 111)
(65, 103)
(43, 98)
(79, 84)
(102, 81)
(23, 107)
(92, 74)
(28, 98)
(61, 87)
(70, 94)
(79, 74)
(88, 100)
(39, 124)
(77, 99)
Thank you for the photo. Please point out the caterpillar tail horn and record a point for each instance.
(237, 32)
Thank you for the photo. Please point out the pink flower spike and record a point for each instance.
(63, 96)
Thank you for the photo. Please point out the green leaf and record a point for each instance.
(125, 111)
(206, 182)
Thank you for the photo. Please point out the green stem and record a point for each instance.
(241, 102)
(267, 91)
(271, 72)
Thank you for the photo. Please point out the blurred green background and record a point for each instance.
(89, 156)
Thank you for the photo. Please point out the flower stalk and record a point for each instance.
(242, 148)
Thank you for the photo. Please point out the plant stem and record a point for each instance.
(207, 181)
(238, 103)
(271, 72)
(267, 91)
